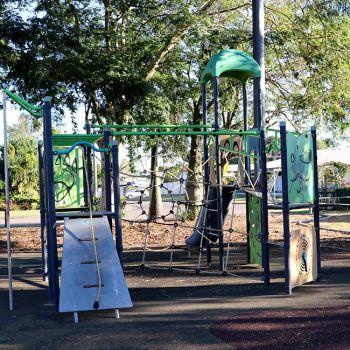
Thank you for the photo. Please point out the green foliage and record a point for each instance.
(308, 45)
(170, 174)
(335, 172)
(190, 214)
(23, 168)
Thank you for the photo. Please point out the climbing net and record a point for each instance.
(159, 212)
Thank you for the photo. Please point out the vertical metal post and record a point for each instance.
(316, 203)
(218, 172)
(85, 179)
(205, 139)
(48, 238)
(264, 211)
(206, 169)
(259, 54)
(245, 107)
(89, 164)
(285, 205)
(107, 173)
(42, 209)
(246, 165)
(7, 205)
(51, 209)
(116, 191)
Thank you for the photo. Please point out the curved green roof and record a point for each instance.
(231, 64)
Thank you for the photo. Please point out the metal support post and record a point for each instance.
(51, 209)
(206, 169)
(258, 54)
(116, 191)
(218, 173)
(107, 173)
(246, 166)
(89, 165)
(42, 210)
(285, 205)
(7, 206)
(316, 208)
(264, 211)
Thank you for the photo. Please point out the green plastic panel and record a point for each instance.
(300, 160)
(65, 140)
(255, 245)
(231, 63)
(69, 179)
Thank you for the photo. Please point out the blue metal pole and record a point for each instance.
(264, 211)
(7, 205)
(218, 173)
(42, 209)
(48, 238)
(107, 173)
(116, 191)
(285, 205)
(206, 168)
(316, 204)
(247, 167)
(89, 164)
(51, 209)
(205, 138)
(259, 56)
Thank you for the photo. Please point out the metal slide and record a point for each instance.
(212, 216)
(79, 277)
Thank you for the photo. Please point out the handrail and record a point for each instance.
(186, 133)
(33, 110)
(153, 126)
(82, 143)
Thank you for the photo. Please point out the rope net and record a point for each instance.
(160, 212)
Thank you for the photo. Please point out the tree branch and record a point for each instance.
(173, 41)
(231, 9)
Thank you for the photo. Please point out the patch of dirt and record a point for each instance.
(164, 233)
(321, 328)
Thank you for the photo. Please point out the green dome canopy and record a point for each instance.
(231, 64)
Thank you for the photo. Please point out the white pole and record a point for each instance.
(7, 207)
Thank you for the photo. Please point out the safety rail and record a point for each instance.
(77, 144)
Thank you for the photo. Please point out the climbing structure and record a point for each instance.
(89, 258)
(91, 275)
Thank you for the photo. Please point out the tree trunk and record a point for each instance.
(156, 205)
(194, 185)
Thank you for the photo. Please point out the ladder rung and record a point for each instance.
(92, 286)
(90, 262)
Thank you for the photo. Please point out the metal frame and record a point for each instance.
(47, 188)
(50, 205)
(218, 172)
(316, 208)
(42, 191)
(107, 173)
(116, 192)
(206, 167)
(7, 205)
(285, 204)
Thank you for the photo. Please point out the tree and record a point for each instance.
(307, 67)
(115, 55)
(23, 166)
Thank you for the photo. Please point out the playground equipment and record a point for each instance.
(91, 273)
(248, 147)
(66, 179)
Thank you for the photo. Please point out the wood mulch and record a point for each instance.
(162, 233)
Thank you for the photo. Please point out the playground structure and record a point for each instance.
(88, 240)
